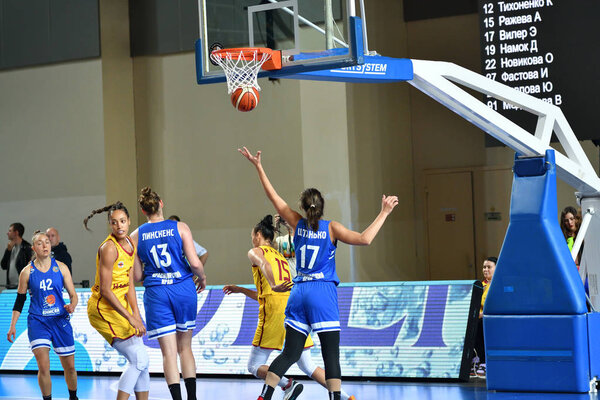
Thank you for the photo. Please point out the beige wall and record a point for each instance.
(381, 156)
(51, 155)
(77, 134)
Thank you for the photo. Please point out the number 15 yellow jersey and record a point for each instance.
(280, 268)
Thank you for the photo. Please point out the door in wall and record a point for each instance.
(450, 227)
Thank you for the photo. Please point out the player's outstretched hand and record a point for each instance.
(283, 287)
(255, 160)
(388, 203)
(70, 308)
(229, 289)
(11, 334)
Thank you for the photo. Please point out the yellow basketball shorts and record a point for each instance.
(270, 331)
(109, 323)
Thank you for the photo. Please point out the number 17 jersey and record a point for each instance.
(160, 248)
(315, 254)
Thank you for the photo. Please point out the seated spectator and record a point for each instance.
(201, 251)
(16, 256)
(489, 266)
(59, 250)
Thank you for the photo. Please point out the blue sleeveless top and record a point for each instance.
(315, 254)
(46, 291)
(161, 250)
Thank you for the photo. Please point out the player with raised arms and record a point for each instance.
(48, 319)
(313, 304)
(272, 278)
(167, 262)
(112, 309)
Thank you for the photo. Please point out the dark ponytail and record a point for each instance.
(149, 201)
(313, 205)
(110, 208)
(266, 228)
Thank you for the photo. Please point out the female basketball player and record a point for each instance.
(312, 304)
(166, 249)
(48, 319)
(112, 309)
(272, 279)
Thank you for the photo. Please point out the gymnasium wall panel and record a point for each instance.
(34, 32)
(162, 27)
(418, 9)
(389, 330)
(52, 155)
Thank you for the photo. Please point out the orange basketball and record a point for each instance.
(245, 98)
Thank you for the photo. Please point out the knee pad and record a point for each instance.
(258, 357)
(142, 359)
(253, 369)
(306, 364)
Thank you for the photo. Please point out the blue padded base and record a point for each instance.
(594, 343)
(537, 353)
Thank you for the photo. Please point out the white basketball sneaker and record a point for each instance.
(293, 390)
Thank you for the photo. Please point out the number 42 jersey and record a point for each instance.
(160, 249)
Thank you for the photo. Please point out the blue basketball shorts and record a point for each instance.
(313, 306)
(43, 331)
(170, 308)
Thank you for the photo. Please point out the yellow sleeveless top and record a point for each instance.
(121, 270)
(280, 268)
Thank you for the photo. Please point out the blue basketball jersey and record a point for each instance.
(161, 250)
(46, 291)
(315, 254)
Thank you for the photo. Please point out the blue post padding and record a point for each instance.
(594, 342)
(537, 353)
(535, 274)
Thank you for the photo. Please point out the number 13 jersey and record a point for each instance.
(315, 254)
(160, 248)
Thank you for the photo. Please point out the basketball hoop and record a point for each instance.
(242, 65)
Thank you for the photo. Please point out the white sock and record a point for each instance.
(283, 382)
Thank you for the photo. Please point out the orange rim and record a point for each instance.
(246, 52)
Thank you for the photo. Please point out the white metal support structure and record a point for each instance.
(440, 81)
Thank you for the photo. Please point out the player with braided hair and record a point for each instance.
(272, 279)
(312, 305)
(112, 309)
(48, 319)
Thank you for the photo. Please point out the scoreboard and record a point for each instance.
(549, 49)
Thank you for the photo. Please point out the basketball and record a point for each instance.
(245, 98)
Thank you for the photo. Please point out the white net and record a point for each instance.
(241, 66)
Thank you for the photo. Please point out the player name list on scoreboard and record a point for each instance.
(546, 48)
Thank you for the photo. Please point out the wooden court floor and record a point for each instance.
(25, 387)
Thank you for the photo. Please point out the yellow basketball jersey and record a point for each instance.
(121, 270)
(103, 317)
(280, 268)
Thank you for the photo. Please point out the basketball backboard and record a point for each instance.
(311, 34)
